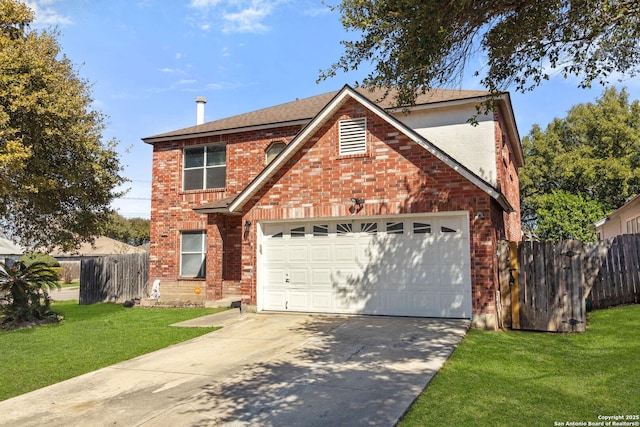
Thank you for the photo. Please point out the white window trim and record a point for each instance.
(204, 167)
(352, 136)
(202, 252)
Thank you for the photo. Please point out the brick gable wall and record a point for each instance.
(396, 176)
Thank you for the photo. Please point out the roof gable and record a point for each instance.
(325, 114)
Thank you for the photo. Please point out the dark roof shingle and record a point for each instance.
(306, 109)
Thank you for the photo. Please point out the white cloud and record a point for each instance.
(234, 16)
(248, 20)
(204, 3)
(45, 15)
(186, 81)
(168, 70)
(179, 55)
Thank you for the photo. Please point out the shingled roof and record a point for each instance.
(301, 111)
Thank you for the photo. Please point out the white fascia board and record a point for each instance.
(601, 222)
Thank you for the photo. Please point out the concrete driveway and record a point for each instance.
(259, 369)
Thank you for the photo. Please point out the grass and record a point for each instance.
(73, 284)
(90, 337)
(532, 378)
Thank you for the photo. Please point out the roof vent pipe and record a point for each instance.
(200, 101)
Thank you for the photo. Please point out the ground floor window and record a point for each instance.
(193, 253)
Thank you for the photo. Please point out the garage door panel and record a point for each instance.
(395, 302)
(298, 276)
(321, 278)
(298, 253)
(454, 305)
(275, 299)
(345, 276)
(345, 252)
(424, 277)
(390, 266)
(349, 302)
(424, 304)
(276, 275)
(297, 300)
(275, 253)
(320, 253)
(452, 275)
(450, 249)
(321, 301)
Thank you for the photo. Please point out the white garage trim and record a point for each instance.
(402, 265)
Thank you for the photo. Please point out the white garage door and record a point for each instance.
(401, 265)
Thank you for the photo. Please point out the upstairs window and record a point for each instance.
(353, 136)
(273, 150)
(205, 167)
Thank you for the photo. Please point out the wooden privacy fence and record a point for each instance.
(546, 286)
(114, 278)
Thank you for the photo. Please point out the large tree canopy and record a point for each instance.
(418, 44)
(594, 153)
(57, 176)
(132, 231)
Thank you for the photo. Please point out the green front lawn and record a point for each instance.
(538, 379)
(90, 337)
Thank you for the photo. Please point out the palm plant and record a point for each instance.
(24, 296)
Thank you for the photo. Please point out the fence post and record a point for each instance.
(514, 270)
(504, 282)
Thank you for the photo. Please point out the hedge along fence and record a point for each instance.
(114, 278)
(548, 285)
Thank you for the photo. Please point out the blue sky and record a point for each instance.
(148, 60)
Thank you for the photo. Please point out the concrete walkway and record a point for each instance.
(259, 369)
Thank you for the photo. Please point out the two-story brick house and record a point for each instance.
(340, 203)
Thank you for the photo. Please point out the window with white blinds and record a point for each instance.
(353, 136)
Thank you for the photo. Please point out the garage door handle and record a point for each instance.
(286, 280)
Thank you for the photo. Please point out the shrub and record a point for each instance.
(25, 300)
(34, 257)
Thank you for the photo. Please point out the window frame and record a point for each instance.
(202, 272)
(278, 146)
(204, 167)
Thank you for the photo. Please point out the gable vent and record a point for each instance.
(353, 136)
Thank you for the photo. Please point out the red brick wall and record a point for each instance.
(508, 180)
(172, 208)
(396, 176)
